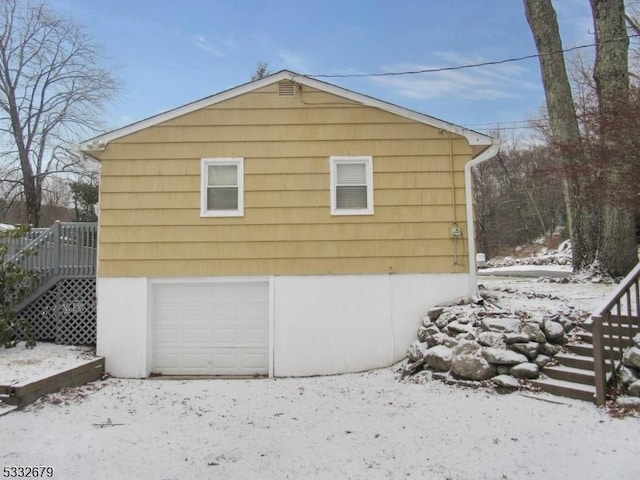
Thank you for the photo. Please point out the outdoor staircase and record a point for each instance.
(62, 306)
(589, 368)
(574, 375)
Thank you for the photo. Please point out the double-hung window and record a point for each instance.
(222, 189)
(351, 185)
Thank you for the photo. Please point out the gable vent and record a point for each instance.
(286, 89)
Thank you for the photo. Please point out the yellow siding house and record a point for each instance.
(284, 227)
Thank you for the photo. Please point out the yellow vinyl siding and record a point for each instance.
(274, 266)
(150, 192)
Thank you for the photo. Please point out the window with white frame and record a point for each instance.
(222, 188)
(351, 185)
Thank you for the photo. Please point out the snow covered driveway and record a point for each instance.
(350, 426)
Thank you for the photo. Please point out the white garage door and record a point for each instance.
(210, 329)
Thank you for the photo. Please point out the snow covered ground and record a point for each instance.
(20, 364)
(358, 426)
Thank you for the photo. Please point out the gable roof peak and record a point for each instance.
(99, 142)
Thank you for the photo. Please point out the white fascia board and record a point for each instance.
(474, 138)
(99, 142)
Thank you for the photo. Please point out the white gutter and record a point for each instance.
(471, 235)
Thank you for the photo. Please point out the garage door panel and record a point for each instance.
(211, 329)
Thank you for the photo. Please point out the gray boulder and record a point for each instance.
(458, 327)
(490, 339)
(525, 370)
(424, 332)
(552, 330)
(503, 357)
(439, 358)
(567, 324)
(437, 339)
(529, 349)
(500, 324)
(416, 351)
(636, 339)
(506, 381)
(628, 402)
(626, 375)
(520, 337)
(541, 360)
(435, 312)
(472, 367)
(444, 319)
(466, 347)
(550, 349)
(634, 389)
(466, 336)
(450, 341)
(631, 357)
(426, 321)
(534, 332)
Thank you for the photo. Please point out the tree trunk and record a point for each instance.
(582, 213)
(618, 246)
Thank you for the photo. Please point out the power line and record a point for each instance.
(470, 65)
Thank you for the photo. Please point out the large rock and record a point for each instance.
(416, 351)
(500, 324)
(490, 339)
(439, 358)
(525, 370)
(434, 313)
(503, 357)
(542, 360)
(636, 339)
(550, 349)
(437, 339)
(424, 332)
(444, 319)
(472, 367)
(506, 381)
(520, 337)
(534, 332)
(552, 330)
(634, 389)
(459, 327)
(631, 357)
(567, 323)
(426, 321)
(466, 347)
(529, 349)
(450, 341)
(626, 375)
(629, 402)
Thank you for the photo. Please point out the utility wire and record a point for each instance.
(470, 65)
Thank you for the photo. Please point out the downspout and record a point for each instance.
(471, 234)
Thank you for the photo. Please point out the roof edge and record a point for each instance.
(99, 142)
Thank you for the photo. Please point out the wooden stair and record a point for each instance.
(574, 377)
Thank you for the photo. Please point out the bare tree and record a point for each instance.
(618, 246)
(582, 215)
(52, 89)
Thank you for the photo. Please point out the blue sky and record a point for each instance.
(169, 52)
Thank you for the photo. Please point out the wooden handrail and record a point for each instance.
(607, 321)
(67, 249)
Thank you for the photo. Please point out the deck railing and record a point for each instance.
(65, 249)
(613, 328)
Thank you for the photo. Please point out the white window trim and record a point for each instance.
(368, 161)
(204, 184)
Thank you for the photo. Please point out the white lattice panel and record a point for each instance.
(65, 314)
